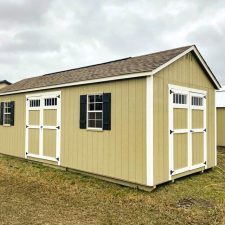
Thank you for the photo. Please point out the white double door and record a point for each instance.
(187, 130)
(43, 118)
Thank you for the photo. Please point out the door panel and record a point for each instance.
(197, 119)
(180, 120)
(33, 143)
(34, 117)
(49, 143)
(197, 148)
(187, 130)
(180, 151)
(50, 117)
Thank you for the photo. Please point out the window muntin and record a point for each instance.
(179, 99)
(95, 111)
(35, 103)
(50, 101)
(197, 101)
(6, 113)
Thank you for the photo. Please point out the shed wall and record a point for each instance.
(220, 126)
(184, 72)
(119, 153)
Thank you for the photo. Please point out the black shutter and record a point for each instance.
(83, 111)
(12, 108)
(1, 113)
(107, 111)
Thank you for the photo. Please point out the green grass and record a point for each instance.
(34, 194)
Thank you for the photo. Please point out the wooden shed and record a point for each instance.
(4, 83)
(139, 121)
(220, 109)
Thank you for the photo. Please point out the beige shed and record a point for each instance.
(138, 121)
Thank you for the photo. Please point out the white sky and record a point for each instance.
(38, 37)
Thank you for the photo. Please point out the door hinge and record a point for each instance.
(58, 96)
(58, 127)
(26, 153)
(171, 172)
(204, 97)
(171, 92)
(41, 127)
(205, 163)
(205, 129)
(57, 158)
(27, 126)
(171, 131)
(191, 131)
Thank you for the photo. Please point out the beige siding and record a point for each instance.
(180, 151)
(119, 153)
(50, 117)
(220, 126)
(49, 140)
(180, 121)
(34, 117)
(197, 119)
(188, 73)
(197, 148)
(12, 139)
(33, 144)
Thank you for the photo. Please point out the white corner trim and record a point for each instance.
(215, 131)
(149, 131)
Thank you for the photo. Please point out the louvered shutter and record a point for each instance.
(12, 116)
(1, 112)
(83, 111)
(107, 111)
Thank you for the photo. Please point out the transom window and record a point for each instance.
(50, 101)
(34, 103)
(179, 99)
(6, 113)
(197, 101)
(94, 111)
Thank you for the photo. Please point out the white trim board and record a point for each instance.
(149, 132)
(128, 76)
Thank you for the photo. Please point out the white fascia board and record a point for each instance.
(121, 77)
(192, 48)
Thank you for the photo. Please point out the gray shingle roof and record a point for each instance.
(145, 63)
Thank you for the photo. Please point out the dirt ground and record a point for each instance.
(34, 194)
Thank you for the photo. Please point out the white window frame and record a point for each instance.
(93, 111)
(6, 113)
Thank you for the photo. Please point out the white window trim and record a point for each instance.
(4, 113)
(94, 128)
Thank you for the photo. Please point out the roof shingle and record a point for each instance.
(145, 63)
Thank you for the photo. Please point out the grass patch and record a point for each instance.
(34, 194)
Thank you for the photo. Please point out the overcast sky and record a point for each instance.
(38, 37)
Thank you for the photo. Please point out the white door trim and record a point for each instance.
(190, 92)
(41, 126)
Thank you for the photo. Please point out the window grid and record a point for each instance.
(50, 101)
(197, 101)
(7, 113)
(94, 111)
(35, 103)
(179, 99)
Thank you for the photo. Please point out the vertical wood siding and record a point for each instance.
(12, 139)
(220, 126)
(188, 73)
(119, 153)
